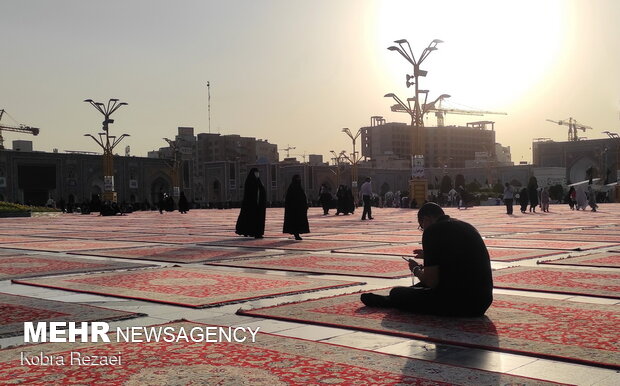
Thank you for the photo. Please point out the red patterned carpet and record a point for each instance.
(496, 254)
(289, 244)
(577, 332)
(546, 244)
(171, 239)
(174, 254)
(559, 280)
(190, 287)
(367, 266)
(71, 245)
(15, 310)
(605, 260)
(271, 360)
(568, 237)
(20, 266)
(384, 238)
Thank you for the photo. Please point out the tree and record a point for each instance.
(446, 184)
(556, 192)
(459, 180)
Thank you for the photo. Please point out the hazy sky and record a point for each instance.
(296, 72)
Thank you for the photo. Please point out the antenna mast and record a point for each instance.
(209, 103)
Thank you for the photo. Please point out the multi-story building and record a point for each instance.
(448, 146)
(596, 157)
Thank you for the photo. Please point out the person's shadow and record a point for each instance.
(444, 342)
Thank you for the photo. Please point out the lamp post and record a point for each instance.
(108, 143)
(418, 186)
(353, 159)
(176, 166)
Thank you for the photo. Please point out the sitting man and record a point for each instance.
(456, 277)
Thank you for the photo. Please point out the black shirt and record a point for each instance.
(458, 250)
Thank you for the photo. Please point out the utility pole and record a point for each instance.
(209, 104)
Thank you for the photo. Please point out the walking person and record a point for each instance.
(296, 209)
(183, 204)
(571, 198)
(325, 198)
(592, 199)
(523, 199)
(508, 197)
(532, 193)
(544, 199)
(366, 194)
(581, 199)
(251, 220)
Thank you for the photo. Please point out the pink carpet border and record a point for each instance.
(256, 313)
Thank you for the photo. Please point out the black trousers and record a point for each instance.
(508, 202)
(367, 208)
(422, 300)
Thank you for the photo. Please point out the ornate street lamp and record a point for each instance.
(354, 160)
(108, 143)
(418, 186)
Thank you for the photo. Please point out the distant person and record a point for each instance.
(342, 200)
(161, 201)
(366, 195)
(544, 199)
(325, 198)
(508, 197)
(581, 199)
(183, 204)
(452, 194)
(532, 193)
(455, 279)
(592, 199)
(296, 209)
(571, 197)
(251, 220)
(523, 199)
(50, 203)
(349, 201)
(169, 203)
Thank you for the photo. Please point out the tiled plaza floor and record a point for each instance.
(79, 236)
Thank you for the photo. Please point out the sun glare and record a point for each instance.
(502, 50)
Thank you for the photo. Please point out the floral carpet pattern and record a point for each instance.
(367, 266)
(579, 332)
(15, 310)
(607, 260)
(190, 287)
(175, 253)
(20, 266)
(559, 280)
(269, 361)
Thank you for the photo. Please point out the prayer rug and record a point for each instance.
(9, 239)
(174, 253)
(268, 361)
(559, 280)
(386, 238)
(190, 287)
(546, 244)
(568, 236)
(571, 331)
(289, 244)
(605, 260)
(368, 266)
(171, 239)
(72, 245)
(495, 254)
(20, 266)
(15, 310)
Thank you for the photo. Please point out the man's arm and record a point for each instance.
(429, 276)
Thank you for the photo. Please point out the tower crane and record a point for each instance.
(440, 111)
(573, 125)
(20, 129)
(288, 149)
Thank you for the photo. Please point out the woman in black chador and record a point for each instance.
(183, 204)
(251, 221)
(296, 209)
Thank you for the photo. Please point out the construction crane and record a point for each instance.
(20, 129)
(573, 126)
(288, 149)
(440, 111)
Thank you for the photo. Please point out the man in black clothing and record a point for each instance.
(455, 279)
